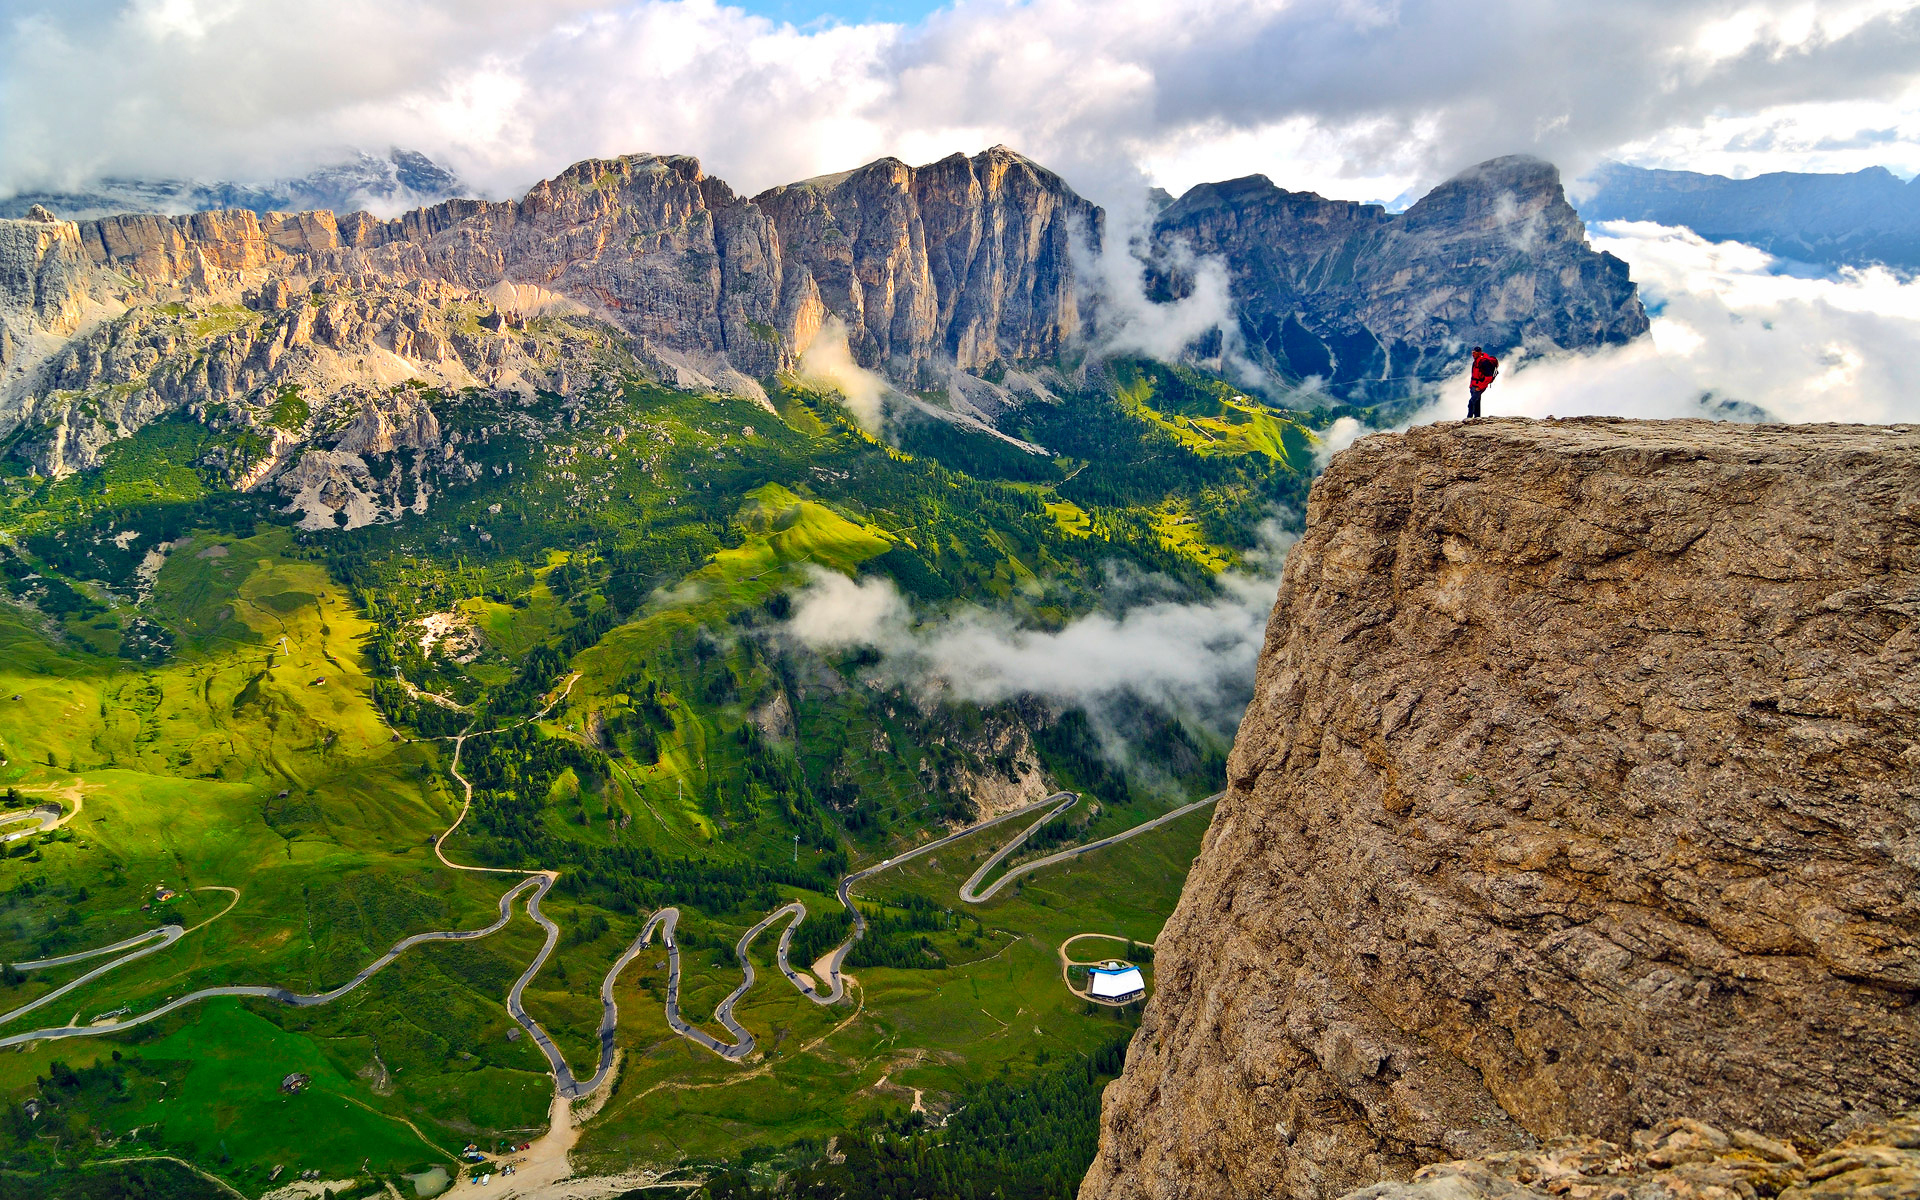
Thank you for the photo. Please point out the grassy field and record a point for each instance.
(245, 733)
(1000, 1008)
(257, 763)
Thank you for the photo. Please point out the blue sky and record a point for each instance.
(851, 12)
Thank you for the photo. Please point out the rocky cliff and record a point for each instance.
(1372, 303)
(1682, 1159)
(45, 284)
(966, 261)
(1580, 793)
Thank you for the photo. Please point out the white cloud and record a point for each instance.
(1193, 658)
(828, 363)
(1730, 327)
(1348, 97)
(1130, 322)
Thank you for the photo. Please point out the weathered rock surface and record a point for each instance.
(958, 275)
(1580, 792)
(1369, 302)
(1680, 1160)
(340, 347)
(45, 283)
(967, 260)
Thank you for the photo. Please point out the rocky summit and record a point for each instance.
(1372, 303)
(1577, 799)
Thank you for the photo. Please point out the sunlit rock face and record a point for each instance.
(1577, 795)
(967, 260)
(1372, 303)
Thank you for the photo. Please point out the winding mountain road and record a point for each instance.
(47, 814)
(971, 896)
(535, 885)
(1055, 804)
(283, 995)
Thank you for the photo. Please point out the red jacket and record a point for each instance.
(1485, 367)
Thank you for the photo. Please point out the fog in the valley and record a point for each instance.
(1191, 658)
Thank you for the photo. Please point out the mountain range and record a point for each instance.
(1859, 219)
(966, 276)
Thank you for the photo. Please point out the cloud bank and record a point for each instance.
(1365, 98)
(1191, 658)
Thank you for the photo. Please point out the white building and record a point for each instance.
(1116, 982)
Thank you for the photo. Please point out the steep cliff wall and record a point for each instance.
(966, 260)
(45, 283)
(1372, 302)
(1580, 791)
(963, 261)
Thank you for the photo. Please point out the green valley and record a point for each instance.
(249, 721)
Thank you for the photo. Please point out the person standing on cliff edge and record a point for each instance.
(1485, 367)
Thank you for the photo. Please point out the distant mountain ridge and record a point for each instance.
(399, 179)
(1859, 219)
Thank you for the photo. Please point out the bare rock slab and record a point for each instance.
(1580, 793)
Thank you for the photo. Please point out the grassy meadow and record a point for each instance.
(251, 727)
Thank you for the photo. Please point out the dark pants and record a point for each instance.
(1473, 402)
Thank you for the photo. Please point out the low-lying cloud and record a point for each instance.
(1114, 284)
(828, 363)
(1194, 658)
(1736, 333)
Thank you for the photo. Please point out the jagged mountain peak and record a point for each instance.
(965, 263)
(1372, 306)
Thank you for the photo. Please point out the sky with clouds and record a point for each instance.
(1368, 99)
(1359, 99)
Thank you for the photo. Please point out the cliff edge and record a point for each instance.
(1580, 794)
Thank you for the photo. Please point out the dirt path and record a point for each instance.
(51, 816)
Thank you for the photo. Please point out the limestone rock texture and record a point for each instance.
(1580, 793)
(45, 284)
(1681, 1159)
(1366, 300)
(966, 260)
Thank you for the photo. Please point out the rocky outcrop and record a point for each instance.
(290, 365)
(1579, 793)
(45, 283)
(1681, 1160)
(965, 261)
(1373, 303)
(957, 276)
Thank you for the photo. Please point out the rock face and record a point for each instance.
(1370, 302)
(1681, 1160)
(962, 261)
(958, 275)
(965, 261)
(45, 282)
(1580, 792)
